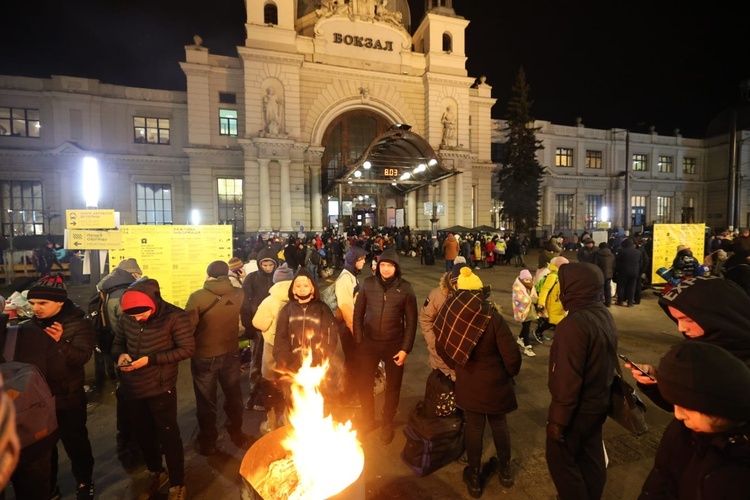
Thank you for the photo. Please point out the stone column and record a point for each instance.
(445, 198)
(286, 196)
(316, 202)
(459, 210)
(411, 209)
(264, 195)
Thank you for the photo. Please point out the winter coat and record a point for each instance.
(489, 249)
(485, 383)
(213, 312)
(114, 285)
(268, 310)
(549, 296)
(523, 302)
(691, 465)
(629, 260)
(427, 315)
(605, 260)
(450, 247)
(586, 254)
(309, 325)
(65, 371)
(386, 311)
(166, 338)
(582, 357)
(256, 286)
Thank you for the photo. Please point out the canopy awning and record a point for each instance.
(399, 158)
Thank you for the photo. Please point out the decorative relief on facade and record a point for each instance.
(272, 109)
(364, 10)
(449, 123)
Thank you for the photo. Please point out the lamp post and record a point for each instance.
(91, 196)
(626, 205)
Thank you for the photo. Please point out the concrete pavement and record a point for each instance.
(645, 333)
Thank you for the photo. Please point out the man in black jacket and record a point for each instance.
(628, 265)
(385, 325)
(66, 324)
(581, 368)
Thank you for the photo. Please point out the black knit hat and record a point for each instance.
(217, 268)
(49, 288)
(704, 377)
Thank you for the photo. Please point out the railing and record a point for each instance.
(28, 270)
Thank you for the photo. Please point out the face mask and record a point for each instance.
(303, 297)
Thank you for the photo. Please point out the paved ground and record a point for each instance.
(645, 334)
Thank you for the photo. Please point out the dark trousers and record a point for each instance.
(448, 266)
(74, 435)
(256, 361)
(154, 422)
(369, 355)
(607, 289)
(350, 360)
(525, 329)
(208, 374)
(577, 465)
(31, 478)
(626, 288)
(474, 431)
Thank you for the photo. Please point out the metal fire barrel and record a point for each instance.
(267, 450)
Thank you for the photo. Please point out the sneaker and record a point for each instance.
(85, 491)
(520, 342)
(177, 493)
(539, 337)
(529, 351)
(387, 433)
(265, 428)
(156, 482)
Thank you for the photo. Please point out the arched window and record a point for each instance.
(270, 13)
(447, 42)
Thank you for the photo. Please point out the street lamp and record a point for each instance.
(91, 182)
(626, 212)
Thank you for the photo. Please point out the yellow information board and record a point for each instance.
(666, 239)
(82, 239)
(90, 219)
(175, 256)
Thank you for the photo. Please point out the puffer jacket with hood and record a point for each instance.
(427, 315)
(582, 357)
(549, 295)
(268, 310)
(386, 310)
(347, 286)
(311, 324)
(256, 287)
(213, 311)
(114, 285)
(166, 338)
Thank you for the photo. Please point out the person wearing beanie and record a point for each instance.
(706, 309)
(582, 365)
(152, 338)
(549, 306)
(450, 249)
(130, 266)
(214, 312)
(524, 302)
(65, 323)
(283, 273)
(446, 286)
(255, 287)
(236, 271)
(385, 327)
(705, 451)
(346, 288)
(474, 339)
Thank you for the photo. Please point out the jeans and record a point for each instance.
(74, 435)
(369, 355)
(525, 329)
(207, 373)
(256, 361)
(474, 431)
(154, 422)
(448, 266)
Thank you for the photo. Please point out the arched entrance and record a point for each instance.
(345, 139)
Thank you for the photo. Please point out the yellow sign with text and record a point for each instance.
(82, 239)
(666, 239)
(90, 219)
(175, 256)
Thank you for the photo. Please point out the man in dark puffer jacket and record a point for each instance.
(154, 336)
(385, 325)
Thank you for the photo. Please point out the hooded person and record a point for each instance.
(385, 327)
(255, 287)
(154, 336)
(65, 322)
(346, 289)
(705, 451)
(524, 302)
(549, 305)
(706, 309)
(475, 340)
(581, 369)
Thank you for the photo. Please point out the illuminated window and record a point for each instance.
(664, 209)
(689, 165)
(20, 122)
(153, 203)
(593, 159)
(593, 209)
(688, 210)
(22, 208)
(666, 164)
(640, 162)
(638, 210)
(564, 157)
(270, 14)
(150, 130)
(228, 122)
(231, 204)
(563, 211)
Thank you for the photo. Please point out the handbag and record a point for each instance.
(625, 406)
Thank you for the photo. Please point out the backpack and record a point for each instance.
(431, 443)
(439, 396)
(97, 308)
(539, 284)
(328, 296)
(32, 398)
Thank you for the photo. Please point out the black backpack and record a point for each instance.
(97, 308)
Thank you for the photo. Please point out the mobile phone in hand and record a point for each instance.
(643, 372)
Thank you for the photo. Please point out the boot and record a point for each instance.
(506, 474)
(473, 481)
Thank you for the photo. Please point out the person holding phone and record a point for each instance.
(706, 309)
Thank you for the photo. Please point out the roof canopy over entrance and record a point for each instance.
(399, 158)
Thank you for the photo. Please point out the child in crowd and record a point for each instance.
(524, 308)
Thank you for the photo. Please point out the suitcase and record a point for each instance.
(431, 443)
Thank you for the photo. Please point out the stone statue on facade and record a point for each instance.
(449, 128)
(273, 113)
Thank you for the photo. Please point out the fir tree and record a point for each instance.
(520, 174)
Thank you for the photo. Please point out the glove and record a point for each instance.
(556, 432)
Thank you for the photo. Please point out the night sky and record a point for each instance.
(625, 65)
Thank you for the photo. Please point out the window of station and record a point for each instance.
(22, 208)
(664, 209)
(638, 210)
(270, 14)
(563, 211)
(640, 162)
(228, 122)
(150, 130)
(593, 159)
(689, 165)
(153, 203)
(231, 204)
(564, 157)
(227, 98)
(20, 122)
(593, 209)
(666, 164)
(447, 42)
